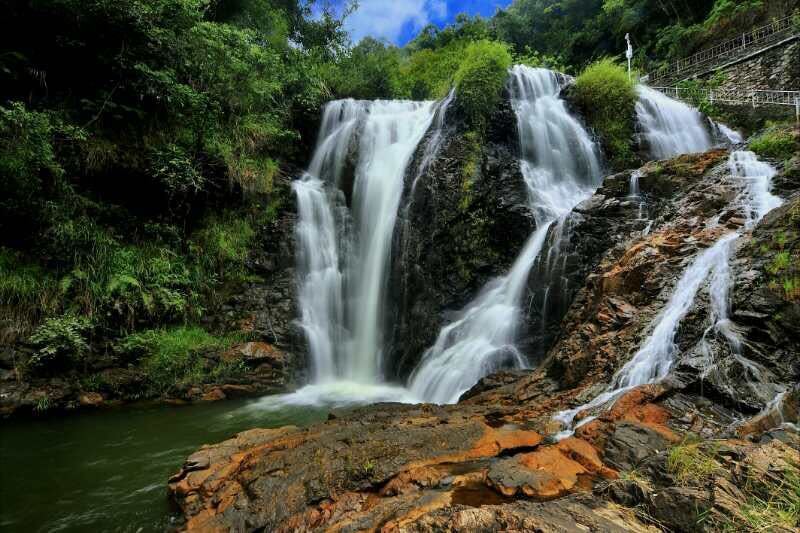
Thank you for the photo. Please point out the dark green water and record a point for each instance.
(107, 470)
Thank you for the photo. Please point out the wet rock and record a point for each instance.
(631, 443)
(256, 353)
(91, 399)
(361, 451)
(680, 508)
(786, 409)
(494, 381)
(628, 492)
(579, 513)
(214, 395)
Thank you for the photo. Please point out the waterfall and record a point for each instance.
(561, 168)
(653, 361)
(755, 200)
(344, 253)
(392, 131)
(635, 195)
(670, 127)
(732, 136)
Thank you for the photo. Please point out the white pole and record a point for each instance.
(797, 108)
(629, 54)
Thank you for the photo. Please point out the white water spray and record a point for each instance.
(670, 127)
(343, 255)
(561, 168)
(755, 200)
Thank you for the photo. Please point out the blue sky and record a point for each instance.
(398, 21)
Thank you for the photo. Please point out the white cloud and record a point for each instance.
(438, 9)
(386, 19)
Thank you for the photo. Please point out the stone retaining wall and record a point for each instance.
(776, 69)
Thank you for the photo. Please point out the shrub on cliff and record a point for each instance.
(776, 142)
(173, 356)
(60, 342)
(607, 99)
(480, 79)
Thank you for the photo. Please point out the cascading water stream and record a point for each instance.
(561, 167)
(670, 127)
(755, 200)
(653, 361)
(344, 254)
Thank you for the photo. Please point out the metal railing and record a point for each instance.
(765, 35)
(756, 98)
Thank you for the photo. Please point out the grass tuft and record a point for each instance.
(691, 463)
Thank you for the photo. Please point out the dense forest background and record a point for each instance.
(146, 144)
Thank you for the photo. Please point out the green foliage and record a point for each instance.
(772, 501)
(608, 99)
(27, 293)
(368, 71)
(43, 404)
(581, 31)
(60, 341)
(696, 92)
(173, 357)
(223, 244)
(776, 142)
(782, 260)
(178, 174)
(463, 30)
(725, 11)
(428, 73)
(29, 169)
(535, 59)
(480, 78)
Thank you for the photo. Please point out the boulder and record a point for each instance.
(256, 353)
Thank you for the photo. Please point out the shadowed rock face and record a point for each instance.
(486, 465)
(464, 223)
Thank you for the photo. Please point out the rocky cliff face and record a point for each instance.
(267, 306)
(690, 453)
(462, 223)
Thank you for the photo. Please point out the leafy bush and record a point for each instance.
(223, 244)
(176, 172)
(172, 357)
(480, 79)
(369, 70)
(60, 341)
(428, 73)
(608, 101)
(29, 169)
(777, 142)
(535, 59)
